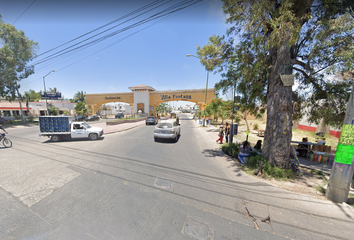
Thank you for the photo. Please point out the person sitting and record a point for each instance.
(258, 145)
(322, 142)
(303, 148)
(245, 151)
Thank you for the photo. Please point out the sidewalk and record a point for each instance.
(304, 162)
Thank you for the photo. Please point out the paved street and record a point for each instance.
(126, 186)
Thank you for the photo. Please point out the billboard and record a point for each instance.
(51, 95)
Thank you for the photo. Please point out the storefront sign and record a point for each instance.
(175, 96)
(111, 98)
(51, 95)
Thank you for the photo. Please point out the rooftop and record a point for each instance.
(142, 87)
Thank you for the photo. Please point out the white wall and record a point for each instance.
(142, 97)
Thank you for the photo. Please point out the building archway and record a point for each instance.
(147, 98)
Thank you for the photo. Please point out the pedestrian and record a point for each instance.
(258, 145)
(227, 131)
(221, 134)
(245, 151)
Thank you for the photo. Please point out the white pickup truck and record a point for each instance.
(60, 127)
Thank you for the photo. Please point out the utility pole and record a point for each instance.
(342, 170)
(232, 118)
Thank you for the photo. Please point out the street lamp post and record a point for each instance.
(45, 91)
(206, 88)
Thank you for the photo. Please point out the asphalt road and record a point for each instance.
(126, 186)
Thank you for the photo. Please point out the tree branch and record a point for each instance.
(302, 64)
(302, 71)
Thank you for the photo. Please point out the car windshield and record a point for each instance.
(164, 125)
(86, 125)
(150, 117)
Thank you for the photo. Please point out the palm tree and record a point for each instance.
(53, 90)
(80, 96)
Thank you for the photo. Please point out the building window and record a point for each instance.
(7, 113)
(16, 112)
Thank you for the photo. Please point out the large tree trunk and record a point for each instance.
(278, 133)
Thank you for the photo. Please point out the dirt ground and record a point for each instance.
(310, 183)
(307, 184)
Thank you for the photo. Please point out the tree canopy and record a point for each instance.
(309, 39)
(80, 97)
(16, 51)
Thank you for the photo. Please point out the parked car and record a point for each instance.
(151, 120)
(92, 118)
(167, 130)
(80, 117)
(119, 115)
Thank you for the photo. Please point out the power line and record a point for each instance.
(116, 20)
(79, 45)
(159, 17)
(24, 12)
(95, 34)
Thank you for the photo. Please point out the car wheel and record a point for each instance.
(93, 136)
(155, 139)
(55, 138)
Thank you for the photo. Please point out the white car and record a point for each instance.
(167, 130)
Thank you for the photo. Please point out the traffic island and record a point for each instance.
(124, 121)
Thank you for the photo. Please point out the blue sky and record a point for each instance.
(153, 54)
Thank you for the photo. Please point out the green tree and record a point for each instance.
(162, 107)
(54, 111)
(225, 111)
(33, 95)
(80, 97)
(104, 107)
(16, 51)
(308, 37)
(213, 107)
(53, 90)
(80, 108)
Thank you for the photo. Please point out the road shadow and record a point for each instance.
(74, 140)
(213, 130)
(213, 153)
(167, 140)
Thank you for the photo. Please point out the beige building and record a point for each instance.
(145, 98)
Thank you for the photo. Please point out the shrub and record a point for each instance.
(255, 126)
(231, 150)
(30, 118)
(253, 161)
(268, 169)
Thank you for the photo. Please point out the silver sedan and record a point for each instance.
(167, 130)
